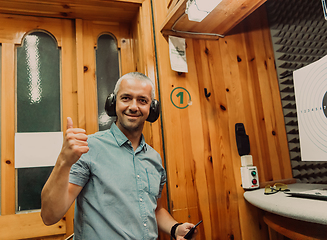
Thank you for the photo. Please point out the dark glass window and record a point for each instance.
(38, 106)
(107, 72)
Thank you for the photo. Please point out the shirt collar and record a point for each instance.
(121, 138)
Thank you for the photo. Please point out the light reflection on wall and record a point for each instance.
(105, 120)
(33, 65)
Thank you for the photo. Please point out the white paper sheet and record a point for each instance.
(37, 149)
(177, 54)
(310, 85)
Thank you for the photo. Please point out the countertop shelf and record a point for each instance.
(303, 209)
(220, 21)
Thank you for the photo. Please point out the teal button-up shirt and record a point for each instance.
(120, 188)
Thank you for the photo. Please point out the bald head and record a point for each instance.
(135, 75)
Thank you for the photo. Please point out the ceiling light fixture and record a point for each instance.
(197, 10)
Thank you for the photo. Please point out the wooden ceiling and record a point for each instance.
(220, 21)
(101, 10)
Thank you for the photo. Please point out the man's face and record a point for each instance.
(133, 102)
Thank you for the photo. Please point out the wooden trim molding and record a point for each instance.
(8, 130)
(295, 229)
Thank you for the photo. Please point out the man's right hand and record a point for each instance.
(58, 194)
(74, 145)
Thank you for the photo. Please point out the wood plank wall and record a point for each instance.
(203, 164)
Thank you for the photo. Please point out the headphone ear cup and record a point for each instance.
(110, 105)
(154, 111)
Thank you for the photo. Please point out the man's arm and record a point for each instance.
(58, 194)
(166, 222)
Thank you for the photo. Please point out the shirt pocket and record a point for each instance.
(153, 182)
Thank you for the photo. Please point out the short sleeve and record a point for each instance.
(80, 172)
(162, 182)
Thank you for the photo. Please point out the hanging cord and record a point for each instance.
(159, 96)
(70, 237)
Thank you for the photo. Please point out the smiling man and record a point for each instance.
(133, 98)
(115, 177)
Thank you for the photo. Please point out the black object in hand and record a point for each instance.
(189, 235)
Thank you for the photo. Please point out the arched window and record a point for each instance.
(107, 74)
(38, 107)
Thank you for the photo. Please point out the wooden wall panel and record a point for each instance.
(69, 94)
(91, 111)
(80, 73)
(203, 163)
(7, 129)
(277, 164)
(127, 46)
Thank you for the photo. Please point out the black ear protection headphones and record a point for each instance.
(110, 107)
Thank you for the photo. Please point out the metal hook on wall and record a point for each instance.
(206, 93)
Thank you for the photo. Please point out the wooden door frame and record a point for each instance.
(18, 26)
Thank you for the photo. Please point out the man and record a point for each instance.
(116, 177)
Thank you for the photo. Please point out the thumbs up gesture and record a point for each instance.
(74, 145)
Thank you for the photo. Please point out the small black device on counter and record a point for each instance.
(189, 235)
(242, 140)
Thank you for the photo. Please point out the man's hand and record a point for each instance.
(74, 145)
(183, 229)
(166, 222)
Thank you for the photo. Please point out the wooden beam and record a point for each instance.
(173, 15)
(190, 35)
(130, 1)
(220, 21)
(80, 74)
(295, 229)
(171, 4)
(114, 10)
(8, 129)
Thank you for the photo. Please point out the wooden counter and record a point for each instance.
(293, 217)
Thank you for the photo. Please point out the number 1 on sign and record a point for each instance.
(177, 98)
(181, 97)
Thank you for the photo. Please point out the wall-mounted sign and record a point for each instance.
(180, 98)
(177, 54)
(310, 85)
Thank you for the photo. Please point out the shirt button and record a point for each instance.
(138, 176)
(144, 224)
(141, 199)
